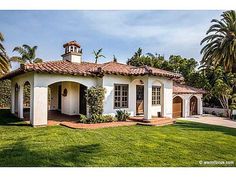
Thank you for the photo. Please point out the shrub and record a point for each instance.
(95, 97)
(83, 119)
(221, 114)
(122, 115)
(5, 93)
(96, 118)
(213, 113)
(109, 118)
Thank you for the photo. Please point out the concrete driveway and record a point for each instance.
(213, 120)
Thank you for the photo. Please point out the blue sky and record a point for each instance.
(117, 32)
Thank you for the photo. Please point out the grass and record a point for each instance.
(183, 144)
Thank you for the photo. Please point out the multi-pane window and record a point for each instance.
(121, 96)
(156, 95)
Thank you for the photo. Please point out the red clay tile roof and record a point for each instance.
(184, 89)
(123, 69)
(71, 43)
(85, 68)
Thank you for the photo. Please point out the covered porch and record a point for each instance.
(51, 100)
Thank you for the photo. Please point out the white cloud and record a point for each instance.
(156, 34)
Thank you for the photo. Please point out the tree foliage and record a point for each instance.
(5, 93)
(27, 55)
(98, 54)
(220, 43)
(4, 63)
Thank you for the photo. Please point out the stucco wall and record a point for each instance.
(70, 103)
(108, 82)
(218, 111)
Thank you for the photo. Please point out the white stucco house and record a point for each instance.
(145, 91)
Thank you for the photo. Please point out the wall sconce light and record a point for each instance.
(64, 92)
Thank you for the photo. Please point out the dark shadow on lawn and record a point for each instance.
(187, 125)
(19, 155)
(8, 119)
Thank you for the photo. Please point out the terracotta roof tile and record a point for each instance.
(119, 68)
(71, 43)
(85, 68)
(184, 89)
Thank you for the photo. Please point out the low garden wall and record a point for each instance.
(215, 111)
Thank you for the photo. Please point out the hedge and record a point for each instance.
(5, 93)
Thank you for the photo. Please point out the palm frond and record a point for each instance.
(38, 60)
(17, 59)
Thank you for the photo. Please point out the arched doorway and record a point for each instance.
(26, 101)
(193, 106)
(67, 98)
(177, 107)
(16, 98)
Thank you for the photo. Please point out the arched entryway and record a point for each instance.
(177, 107)
(193, 106)
(66, 99)
(16, 98)
(26, 100)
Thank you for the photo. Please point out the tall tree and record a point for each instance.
(114, 58)
(97, 55)
(27, 55)
(220, 43)
(4, 63)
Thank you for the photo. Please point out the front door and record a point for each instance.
(139, 99)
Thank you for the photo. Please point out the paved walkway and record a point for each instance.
(213, 120)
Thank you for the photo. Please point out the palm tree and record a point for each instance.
(98, 55)
(220, 43)
(114, 58)
(4, 63)
(28, 55)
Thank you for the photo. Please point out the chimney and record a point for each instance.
(73, 52)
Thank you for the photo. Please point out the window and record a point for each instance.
(156, 95)
(121, 96)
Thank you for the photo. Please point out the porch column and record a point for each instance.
(200, 111)
(20, 101)
(39, 106)
(13, 98)
(167, 99)
(186, 107)
(147, 99)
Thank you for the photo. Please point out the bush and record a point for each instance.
(83, 119)
(5, 93)
(213, 113)
(95, 97)
(122, 115)
(96, 118)
(221, 114)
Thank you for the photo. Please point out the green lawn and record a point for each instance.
(183, 144)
